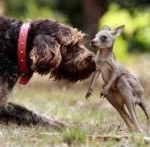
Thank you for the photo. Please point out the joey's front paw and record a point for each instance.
(88, 95)
(104, 93)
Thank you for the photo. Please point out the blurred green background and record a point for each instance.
(66, 100)
(90, 15)
(132, 48)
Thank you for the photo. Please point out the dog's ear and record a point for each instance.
(66, 35)
(118, 30)
(45, 54)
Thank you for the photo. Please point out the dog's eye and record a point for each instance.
(65, 34)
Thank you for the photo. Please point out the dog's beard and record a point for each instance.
(73, 70)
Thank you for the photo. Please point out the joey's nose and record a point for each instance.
(92, 43)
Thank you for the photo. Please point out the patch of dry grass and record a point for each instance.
(67, 101)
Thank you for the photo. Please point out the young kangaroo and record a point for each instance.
(121, 88)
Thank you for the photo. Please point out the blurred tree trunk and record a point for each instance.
(93, 10)
(2, 7)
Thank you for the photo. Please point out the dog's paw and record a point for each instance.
(56, 123)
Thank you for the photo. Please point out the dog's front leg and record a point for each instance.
(14, 113)
(93, 80)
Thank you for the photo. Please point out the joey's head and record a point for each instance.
(106, 37)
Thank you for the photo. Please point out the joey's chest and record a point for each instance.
(105, 68)
(102, 64)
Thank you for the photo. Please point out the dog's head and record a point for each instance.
(62, 54)
(106, 37)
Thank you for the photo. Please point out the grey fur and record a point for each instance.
(121, 88)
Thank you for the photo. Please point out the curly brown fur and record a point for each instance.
(46, 54)
(52, 48)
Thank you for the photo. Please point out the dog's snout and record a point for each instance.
(103, 38)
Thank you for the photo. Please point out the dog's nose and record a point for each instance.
(103, 38)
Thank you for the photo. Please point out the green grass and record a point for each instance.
(89, 119)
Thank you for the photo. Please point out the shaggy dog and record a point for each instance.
(52, 48)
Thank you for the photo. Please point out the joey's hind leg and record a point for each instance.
(138, 91)
(126, 118)
(130, 107)
(146, 110)
(135, 102)
(117, 102)
(125, 91)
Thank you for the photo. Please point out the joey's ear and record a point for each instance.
(45, 54)
(118, 30)
(106, 28)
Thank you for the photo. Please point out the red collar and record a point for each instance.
(22, 54)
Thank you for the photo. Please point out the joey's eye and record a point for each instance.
(103, 38)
